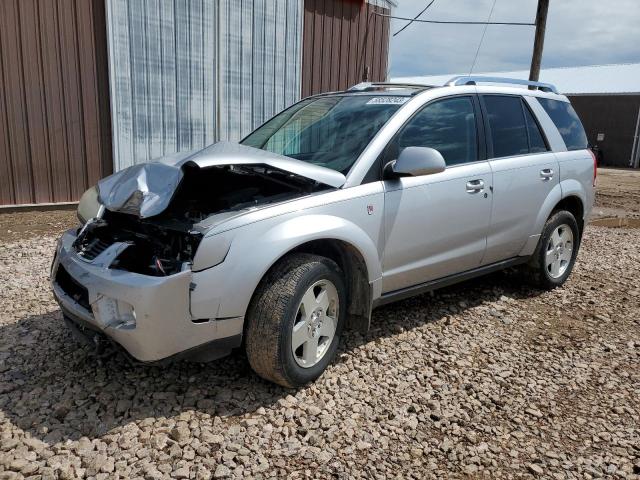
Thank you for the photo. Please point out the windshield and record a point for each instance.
(328, 131)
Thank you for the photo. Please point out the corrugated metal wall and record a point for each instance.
(183, 74)
(54, 125)
(344, 43)
(259, 64)
(162, 64)
(187, 73)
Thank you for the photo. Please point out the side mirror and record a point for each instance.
(415, 161)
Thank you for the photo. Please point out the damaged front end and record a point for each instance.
(128, 272)
(147, 247)
(156, 210)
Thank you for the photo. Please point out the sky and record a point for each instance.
(579, 32)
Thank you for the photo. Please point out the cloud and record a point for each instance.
(579, 32)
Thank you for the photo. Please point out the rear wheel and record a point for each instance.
(295, 320)
(555, 256)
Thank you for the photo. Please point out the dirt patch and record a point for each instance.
(28, 224)
(617, 222)
(617, 193)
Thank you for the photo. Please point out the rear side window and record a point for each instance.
(447, 125)
(566, 120)
(507, 123)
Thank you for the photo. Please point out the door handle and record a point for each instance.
(546, 174)
(475, 186)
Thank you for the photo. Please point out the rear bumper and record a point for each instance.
(148, 316)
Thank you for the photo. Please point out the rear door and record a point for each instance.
(524, 173)
(576, 163)
(436, 225)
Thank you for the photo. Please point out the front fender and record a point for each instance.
(228, 287)
(296, 231)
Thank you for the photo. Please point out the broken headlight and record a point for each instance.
(89, 206)
(212, 250)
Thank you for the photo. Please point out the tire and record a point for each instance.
(281, 301)
(560, 227)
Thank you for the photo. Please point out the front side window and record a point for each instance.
(448, 126)
(330, 131)
(567, 122)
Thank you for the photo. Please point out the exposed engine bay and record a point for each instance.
(166, 243)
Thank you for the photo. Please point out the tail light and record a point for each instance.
(595, 167)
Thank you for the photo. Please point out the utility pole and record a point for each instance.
(538, 45)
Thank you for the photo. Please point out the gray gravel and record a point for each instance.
(484, 379)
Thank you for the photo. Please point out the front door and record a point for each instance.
(436, 225)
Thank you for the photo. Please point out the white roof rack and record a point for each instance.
(474, 79)
(364, 86)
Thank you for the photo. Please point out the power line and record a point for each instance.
(447, 22)
(415, 18)
(484, 31)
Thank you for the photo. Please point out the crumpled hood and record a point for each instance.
(227, 153)
(143, 190)
(146, 189)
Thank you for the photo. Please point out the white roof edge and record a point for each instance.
(384, 3)
(601, 94)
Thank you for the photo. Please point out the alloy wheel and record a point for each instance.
(315, 324)
(559, 251)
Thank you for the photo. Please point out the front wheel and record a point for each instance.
(295, 319)
(555, 256)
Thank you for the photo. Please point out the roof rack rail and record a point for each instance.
(363, 86)
(474, 79)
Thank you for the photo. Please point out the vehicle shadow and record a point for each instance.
(437, 306)
(55, 389)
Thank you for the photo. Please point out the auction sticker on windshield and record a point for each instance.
(387, 100)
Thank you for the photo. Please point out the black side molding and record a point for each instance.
(425, 287)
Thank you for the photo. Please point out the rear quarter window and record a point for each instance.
(567, 122)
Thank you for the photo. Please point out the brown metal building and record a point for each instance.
(612, 123)
(54, 100)
(55, 117)
(344, 43)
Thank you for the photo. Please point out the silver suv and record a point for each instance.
(341, 203)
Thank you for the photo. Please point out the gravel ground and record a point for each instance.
(488, 378)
